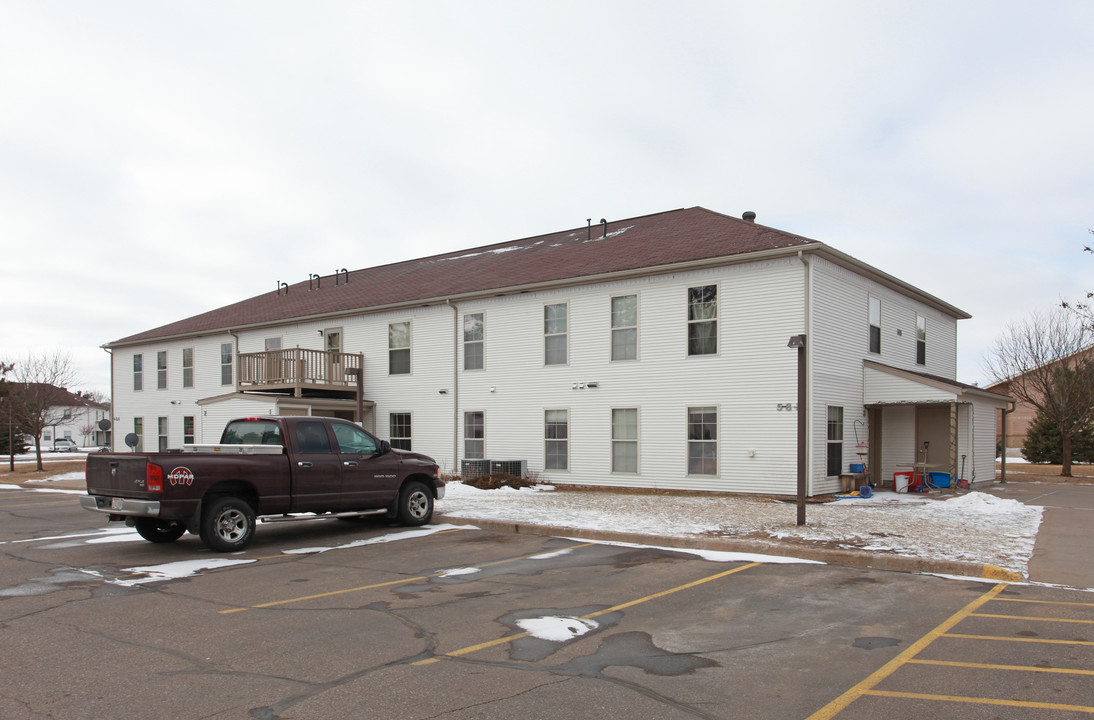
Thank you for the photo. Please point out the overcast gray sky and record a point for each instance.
(160, 159)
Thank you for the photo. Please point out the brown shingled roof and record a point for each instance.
(668, 238)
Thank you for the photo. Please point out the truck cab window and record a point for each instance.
(311, 437)
(354, 441)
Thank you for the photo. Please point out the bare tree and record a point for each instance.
(1048, 362)
(39, 382)
(1083, 308)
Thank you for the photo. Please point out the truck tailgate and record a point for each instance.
(118, 475)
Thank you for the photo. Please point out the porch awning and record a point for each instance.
(885, 385)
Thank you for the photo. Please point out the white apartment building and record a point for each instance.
(650, 352)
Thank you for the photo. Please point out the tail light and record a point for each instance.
(153, 477)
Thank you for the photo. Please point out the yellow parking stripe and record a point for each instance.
(389, 583)
(991, 666)
(1014, 639)
(1026, 617)
(510, 638)
(837, 706)
(1044, 602)
(980, 701)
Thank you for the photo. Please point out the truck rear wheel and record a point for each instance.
(158, 531)
(415, 504)
(227, 524)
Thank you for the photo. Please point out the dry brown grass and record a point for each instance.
(1028, 472)
(27, 471)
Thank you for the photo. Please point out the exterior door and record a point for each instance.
(932, 426)
(335, 367)
(317, 474)
(369, 479)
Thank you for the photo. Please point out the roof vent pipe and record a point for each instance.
(749, 216)
(318, 281)
(590, 221)
(605, 224)
(281, 285)
(338, 274)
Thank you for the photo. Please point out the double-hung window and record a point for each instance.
(835, 440)
(161, 426)
(625, 440)
(920, 340)
(138, 430)
(556, 433)
(474, 435)
(188, 367)
(702, 441)
(226, 363)
(625, 327)
(473, 338)
(875, 325)
(188, 430)
(161, 370)
(138, 371)
(555, 334)
(398, 348)
(703, 320)
(399, 425)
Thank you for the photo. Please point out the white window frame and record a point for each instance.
(188, 432)
(409, 437)
(549, 441)
(691, 442)
(549, 336)
(400, 348)
(227, 364)
(920, 340)
(830, 441)
(188, 367)
(138, 372)
(480, 341)
(622, 328)
(702, 319)
(163, 437)
(161, 370)
(618, 441)
(481, 453)
(873, 335)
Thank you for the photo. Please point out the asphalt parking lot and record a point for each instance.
(325, 619)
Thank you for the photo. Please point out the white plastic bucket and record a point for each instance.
(900, 483)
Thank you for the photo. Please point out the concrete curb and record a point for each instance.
(831, 556)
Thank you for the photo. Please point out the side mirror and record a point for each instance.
(385, 447)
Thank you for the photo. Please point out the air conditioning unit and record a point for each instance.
(516, 468)
(474, 468)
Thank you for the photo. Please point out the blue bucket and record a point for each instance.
(865, 491)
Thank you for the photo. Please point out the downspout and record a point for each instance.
(113, 430)
(807, 294)
(1003, 453)
(455, 385)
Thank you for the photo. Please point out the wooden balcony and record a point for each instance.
(301, 371)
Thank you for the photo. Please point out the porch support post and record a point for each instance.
(953, 444)
(798, 341)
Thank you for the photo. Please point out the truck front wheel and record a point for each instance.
(158, 531)
(415, 504)
(227, 524)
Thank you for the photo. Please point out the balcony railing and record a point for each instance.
(298, 369)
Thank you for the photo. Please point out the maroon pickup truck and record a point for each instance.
(264, 468)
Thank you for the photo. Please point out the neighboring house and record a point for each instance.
(1019, 421)
(650, 352)
(71, 417)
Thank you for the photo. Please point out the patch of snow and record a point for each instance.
(391, 537)
(175, 570)
(454, 572)
(557, 629)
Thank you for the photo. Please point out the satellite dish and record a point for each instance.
(132, 439)
(104, 424)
